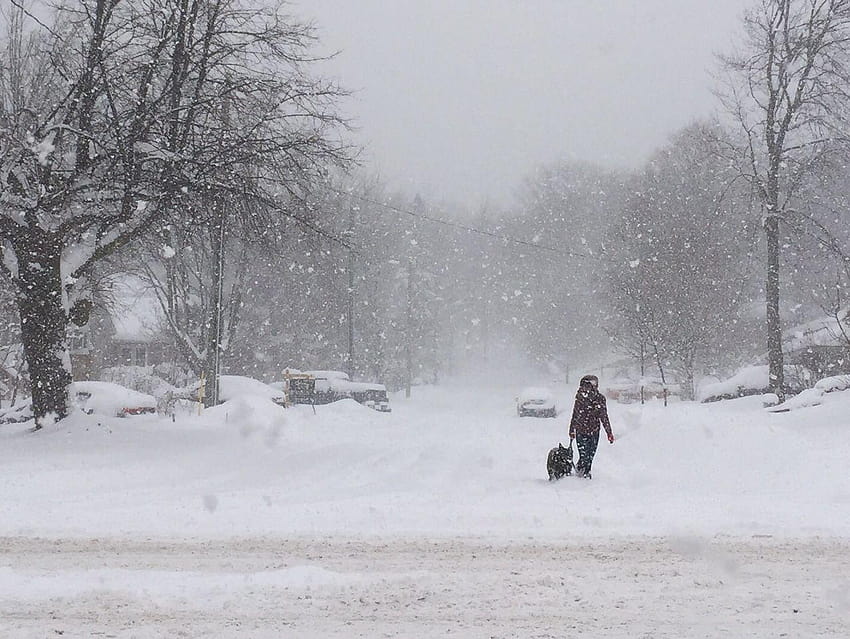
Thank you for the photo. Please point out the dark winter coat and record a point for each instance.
(589, 412)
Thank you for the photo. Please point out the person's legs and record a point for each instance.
(586, 445)
(581, 448)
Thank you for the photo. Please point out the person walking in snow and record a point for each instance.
(589, 412)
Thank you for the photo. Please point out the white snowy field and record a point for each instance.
(717, 520)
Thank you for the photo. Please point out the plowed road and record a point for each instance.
(267, 587)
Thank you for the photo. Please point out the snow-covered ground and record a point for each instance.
(254, 521)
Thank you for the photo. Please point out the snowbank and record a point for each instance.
(251, 415)
(814, 396)
(750, 380)
(807, 398)
(20, 411)
(233, 386)
(452, 461)
(835, 383)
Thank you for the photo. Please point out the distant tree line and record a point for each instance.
(187, 142)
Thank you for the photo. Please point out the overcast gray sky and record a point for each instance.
(460, 99)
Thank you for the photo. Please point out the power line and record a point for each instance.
(464, 227)
(20, 6)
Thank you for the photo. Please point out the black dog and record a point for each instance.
(559, 462)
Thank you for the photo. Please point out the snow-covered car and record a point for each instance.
(536, 402)
(628, 391)
(108, 398)
(326, 391)
(369, 394)
(327, 374)
(750, 380)
(232, 386)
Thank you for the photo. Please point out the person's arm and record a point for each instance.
(573, 420)
(603, 417)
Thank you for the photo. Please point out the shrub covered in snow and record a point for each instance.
(835, 383)
(809, 397)
(750, 380)
(20, 411)
(814, 396)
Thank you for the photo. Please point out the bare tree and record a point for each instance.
(115, 115)
(199, 294)
(570, 205)
(787, 90)
(678, 257)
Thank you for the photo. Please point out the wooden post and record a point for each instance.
(202, 390)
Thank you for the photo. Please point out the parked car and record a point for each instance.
(372, 395)
(536, 402)
(324, 387)
(320, 387)
(327, 374)
(107, 398)
(628, 391)
(231, 386)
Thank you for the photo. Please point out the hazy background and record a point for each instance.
(460, 99)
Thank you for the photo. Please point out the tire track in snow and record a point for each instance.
(404, 587)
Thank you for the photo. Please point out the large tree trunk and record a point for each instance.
(774, 326)
(43, 323)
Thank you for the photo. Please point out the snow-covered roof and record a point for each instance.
(364, 386)
(136, 314)
(327, 374)
(824, 331)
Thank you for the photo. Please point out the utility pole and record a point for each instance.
(408, 331)
(213, 358)
(418, 205)
(485, 328)
(219, 305)
(351, 291)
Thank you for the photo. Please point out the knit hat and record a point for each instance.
(589, 380)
